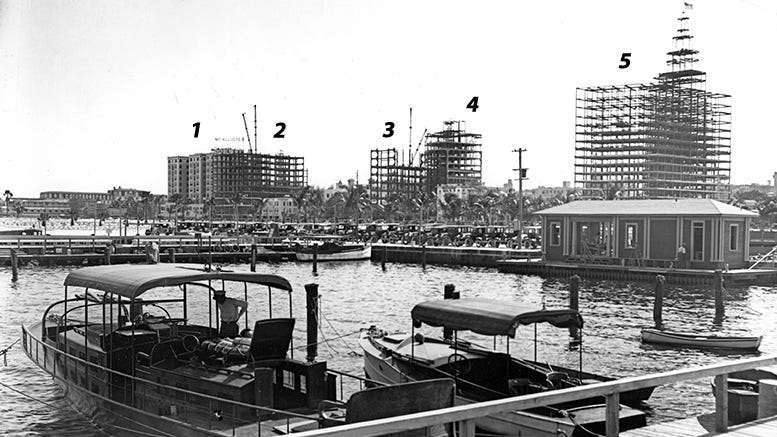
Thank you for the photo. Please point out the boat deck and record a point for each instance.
(704, 426)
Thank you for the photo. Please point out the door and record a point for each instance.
(697, 241)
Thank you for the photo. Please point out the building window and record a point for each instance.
(288, 379)
(631, 235)
(555, 234)
(733, 239)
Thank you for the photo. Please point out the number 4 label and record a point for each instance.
(473, 104)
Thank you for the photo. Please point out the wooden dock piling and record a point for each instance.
(171, 255)
(253, 257)
(383, 258)
(107, 254)
(423, 256)
(315, 258)
(311, 294)
(574, 302)
(14, 266)
(717, 285)
(658, 304)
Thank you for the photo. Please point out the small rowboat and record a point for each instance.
(336, 253)
(700, 341)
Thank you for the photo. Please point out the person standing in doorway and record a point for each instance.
(230, 311)
(682, 257)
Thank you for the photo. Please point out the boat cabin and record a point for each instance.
(131, 329)
(645, 232)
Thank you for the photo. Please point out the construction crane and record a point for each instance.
(247, 134)
(412, 156)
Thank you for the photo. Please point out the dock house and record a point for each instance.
(648, 232)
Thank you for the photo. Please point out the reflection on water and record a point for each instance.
(356, 295)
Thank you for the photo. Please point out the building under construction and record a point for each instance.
(451, 156)
(227, 172)
(669, 138)
(391, 175)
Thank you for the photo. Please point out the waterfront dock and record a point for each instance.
(465, 416)
(704, 426)
(449, 255)
(634, 273)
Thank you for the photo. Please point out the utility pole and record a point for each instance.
(521, 174)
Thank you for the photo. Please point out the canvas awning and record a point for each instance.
(490, 317)
(131, 281)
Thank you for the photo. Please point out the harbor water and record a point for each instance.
(355, 295)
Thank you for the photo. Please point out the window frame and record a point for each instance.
(635, 240)
(557, 238)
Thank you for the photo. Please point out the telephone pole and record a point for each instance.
(521, 175)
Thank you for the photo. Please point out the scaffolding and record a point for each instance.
(255, 175)
(389, 175)
(665, 139)
(452, 156)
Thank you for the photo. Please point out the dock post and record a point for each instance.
(658, 304)
(315, 258)
(383, 258)
(449, 292)
(14, 266)
(423, 256)
(717, 285)
(574, 302)
(107, 254)
(721, 403)
(171, 255)
(311, 293)
(253, 257)
(767, 398)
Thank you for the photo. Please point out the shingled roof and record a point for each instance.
(651, 207)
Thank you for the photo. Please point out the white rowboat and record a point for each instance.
(700, 341)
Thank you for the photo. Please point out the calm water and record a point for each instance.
(356, 295)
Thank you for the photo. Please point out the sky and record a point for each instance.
(97, 94)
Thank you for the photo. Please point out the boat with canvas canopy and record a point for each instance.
(138, 350)
(483, 374)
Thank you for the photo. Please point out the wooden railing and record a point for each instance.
(467, 415)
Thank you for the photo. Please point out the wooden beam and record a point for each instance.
(721, 402)
(612, 414)
(483, 409)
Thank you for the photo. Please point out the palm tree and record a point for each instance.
(316, 202)
(258, 205)
(8, 195)
(173, 202)
(301, 200)
(235, 199)
(452, 206)
(210, 202)
(336, 201)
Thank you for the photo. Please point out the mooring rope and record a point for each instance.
(4, 352)
(352, 352)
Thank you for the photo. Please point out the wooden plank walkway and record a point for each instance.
(704, 426)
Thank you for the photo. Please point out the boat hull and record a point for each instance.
(345, 255)
(656, 336)
(112, 416)
(383, 367)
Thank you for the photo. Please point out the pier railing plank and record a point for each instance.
(465, 413)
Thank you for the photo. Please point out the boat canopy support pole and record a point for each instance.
(185, 296)
(535, 342)
(245, 298)
(291, 341)
(210, 304)
(269, 300)
(580, 360)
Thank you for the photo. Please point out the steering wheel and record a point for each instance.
(461, 364)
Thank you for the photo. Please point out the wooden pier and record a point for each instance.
(639, 274)
(703, 426)
(465, 416)
(449, 255)
(64, 250)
